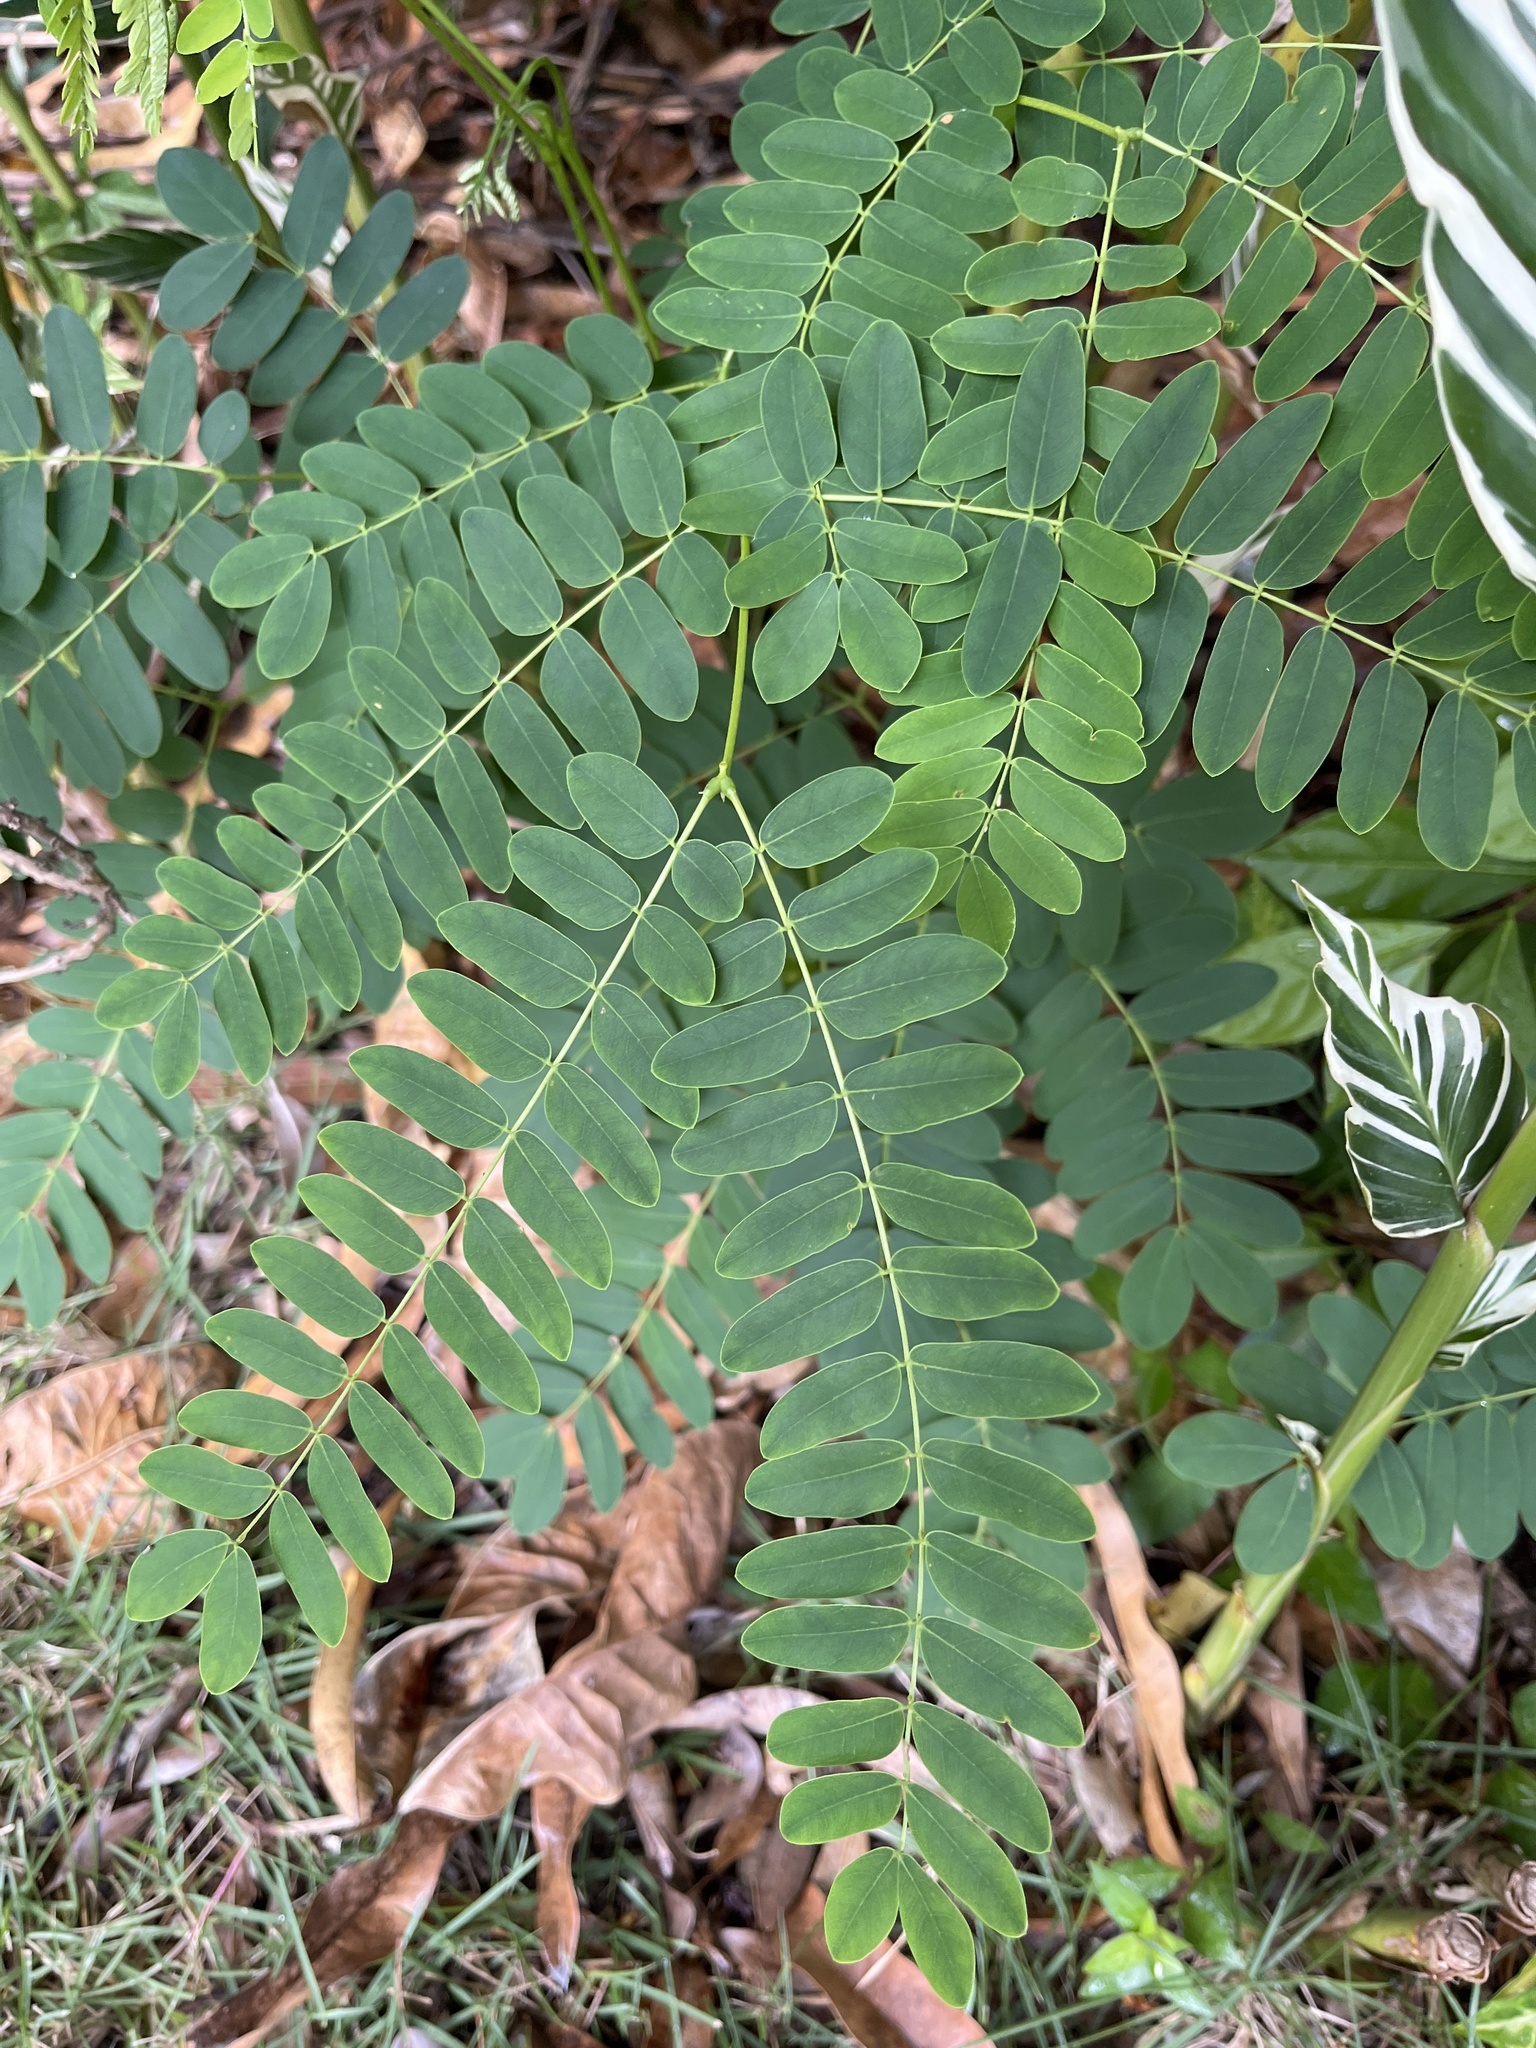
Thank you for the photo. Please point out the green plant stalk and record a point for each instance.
(1463, 1262)
(295, 26)
(13, 105)
(565, 138)
(554, 145)
(10, 327)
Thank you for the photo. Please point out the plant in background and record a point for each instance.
(960, 465)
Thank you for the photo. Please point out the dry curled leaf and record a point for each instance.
(1157, 1695)
(1519, 1900)
(1277, 1700)
(332, 1720)
(70, 1449)
(728, 1791)
(418, 1691)
(572, 1738)
(1436, 1615)
(1103, 1791)
(1452, 1948)
(654, 1808)
(675, 1526)
(576, 1725)
(399, 135)
(882, 2002)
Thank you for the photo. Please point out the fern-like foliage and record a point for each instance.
(150, 26)
(72, 24)
(758, 956)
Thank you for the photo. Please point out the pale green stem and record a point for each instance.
(1462, 1264)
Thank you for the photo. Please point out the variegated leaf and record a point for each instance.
(1461, 93)
(1434, 1091)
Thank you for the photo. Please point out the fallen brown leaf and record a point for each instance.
(884, 2001)
(776, 1873)
(730, 1790)
(1436, 1615)
(571, 1738)
(1277, 1701)
(675, 1526)
(1157, 1696)
(70, 1449)
(180, 119)
(332, 1724)
(94, 1838)
(651, 1802)
(1104, 1793)
(417, 1692)
(357, 1916)
(399, 135)
(575, 1725)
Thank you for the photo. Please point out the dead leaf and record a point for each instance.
(332, 1725)
(1180, 1615)
(1277, 1700)
(649, 1795)
(1104, 1793)
(134, 1289)
(680, 2021)
(573, 1729)
(416, 1693)
(753, 1707)
(776, 1873)
(575, 1725)
(742, 1832)
(727, 1792)
(18, 1049)
(399, 135)
(558, 1815)
(483, 314)
(1157, 1695)
(571, 1738)
(179, 1757)
(884, 2001)
(356, 1917)
(1436, 1615)
(135, 1752)
(96, 1836)
(290, 1131)
(675, 1527)
(70, 1453)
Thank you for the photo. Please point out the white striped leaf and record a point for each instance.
(1434, 1092)
(1461, 93)
(1506, 1297)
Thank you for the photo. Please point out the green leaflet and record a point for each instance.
(809, 1315)
(838, 1400)
(791, 1227)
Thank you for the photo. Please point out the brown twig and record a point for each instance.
(72, 872)
(599, 27)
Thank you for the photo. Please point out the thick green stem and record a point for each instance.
(10, 326)
(1462, 1264)
(13, 104)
